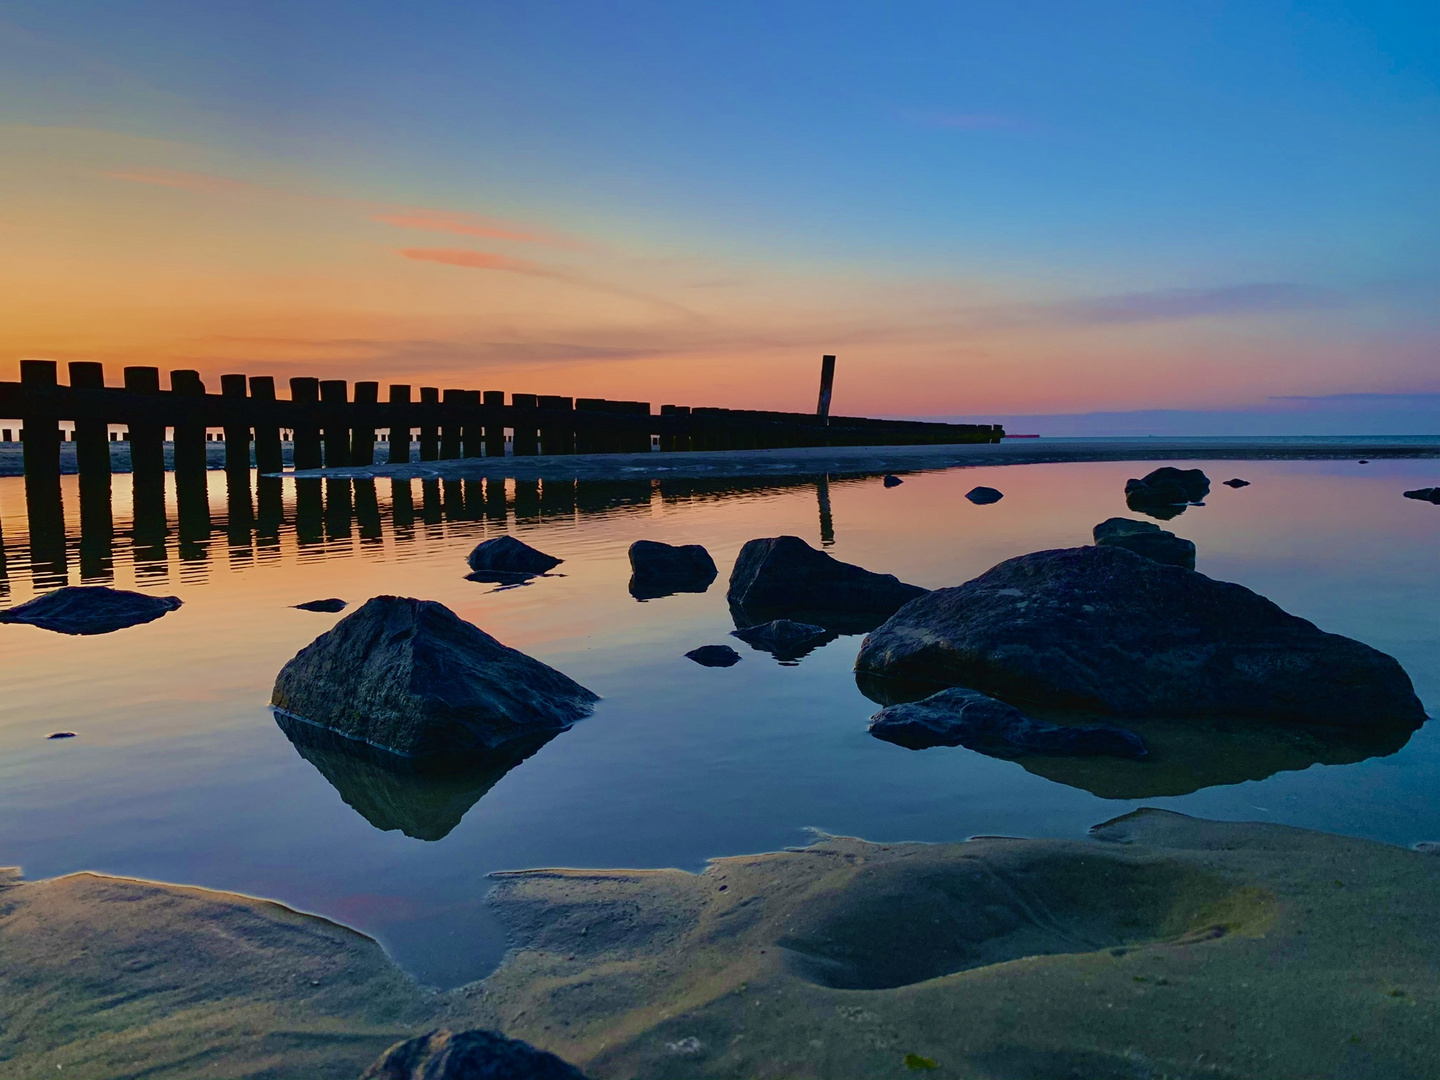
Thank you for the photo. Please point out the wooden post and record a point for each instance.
(40, 427)
(237, 431)
(305, 391)
(362, 435)
(269, 454)
(450, 426)
(472, 431)
(827, 384)
(92, 438)
(429, 432)
(190, 451)
(400, 428)
(334, 395)
(525, 425)
(557, 435)
(494, 423)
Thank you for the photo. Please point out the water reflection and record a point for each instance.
(393, 794)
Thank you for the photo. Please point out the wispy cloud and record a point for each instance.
(479, 260)
(461, 224)
(1260, 298)
(187, 181)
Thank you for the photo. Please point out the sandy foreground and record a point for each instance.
(1164, 946)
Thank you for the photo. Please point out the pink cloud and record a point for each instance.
(478, 260)
(462, 224)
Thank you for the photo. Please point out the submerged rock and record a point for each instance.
(1147, 539)
(412, 677)
(1167, 491)
(785, 639)
(468, 1055)
(658, 569)
(783, 576)
(714, 656)
(984, 496)
(1431, 494)
(508, 556)
(330, 606)
(891, 480)
(961, 717)
(90, 609)
(1105, 630)
(1237, 483)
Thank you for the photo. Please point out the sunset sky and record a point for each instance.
(981, 208)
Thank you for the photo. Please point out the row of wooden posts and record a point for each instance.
(335, 426)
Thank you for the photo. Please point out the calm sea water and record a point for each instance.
(180, 773)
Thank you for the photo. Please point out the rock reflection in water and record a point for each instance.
(390, 792)
(1185, 755)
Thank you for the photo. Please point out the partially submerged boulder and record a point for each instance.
(891, 480)
(1167, 490)
(658, 569)
(90, 609)
(961, 717)
(1236, 482)
(468, 1055)
(1105, 630)
(509, 558)
(331, 606)
(714, 656)
(412, 677)
(783, 576)
(1431, 494)
(785, 639)
(1147, 539)
(984, 496)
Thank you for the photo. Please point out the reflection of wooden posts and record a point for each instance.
(557, 434)
(269, 454)
(239, 510)
(494, 404)
(525, 424)
(827, 522)
(399, 426)
(362, 432)
(450, 425)
(402, 501)
(367, 510)
(429, 432)
(527, 500)
(827, 384)
(305, 392)
(472, 431)
(270, 508)
(309, 510)
(337, 509)
(495, 498)
(430, 511)
(237, 432)
(334, 393)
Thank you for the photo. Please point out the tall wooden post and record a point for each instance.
(43, 505)
(494, 423)
(192, 494)
(429, 430)
(450, 428)
(472, 432)
(269, 455)
(400, 427)
(92, 460)
(92, 437)
(190, 455)
(305, 391)
(362, 435)
(827, 384)
(525, 424)
(147, 466)
(237, 431)
(334, 395)
(557, 435)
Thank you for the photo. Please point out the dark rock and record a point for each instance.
(1237, 483)
(90, 609)
(984, 496)
(1147, 539)
(1431, 495)
(509, 556)
(1105, 630)
(1363, 461)
(783, 577)
(663, 569)
(412, 677)
(714, 656)
(961, 717)
(424, 800)
(785, 639)
(1166, 491)
(468, 1055)
(891, 480)
(61, 735)
(331, 606)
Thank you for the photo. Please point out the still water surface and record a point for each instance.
(180, 773)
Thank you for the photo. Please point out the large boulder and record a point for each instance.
(1166, 487)
(1105, 630)
(468, 1055)
(508, 557)
(90, 609)
(658, 569)
(1147, 539)
(782, 576)
(961, 717)
(412, 677)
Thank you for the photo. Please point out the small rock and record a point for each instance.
(1237, 483)
(976, 721)
(61, 735)
(784, 576)
(90, 609)
(331, 605)
(664, 569)
(412, 677)
(891, 480)
(785, 639)
(1363, 461)
(468, 1055)
(714, 656)
(509, 556)
(984, 496)
(1430, 495)
(1147, 539)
